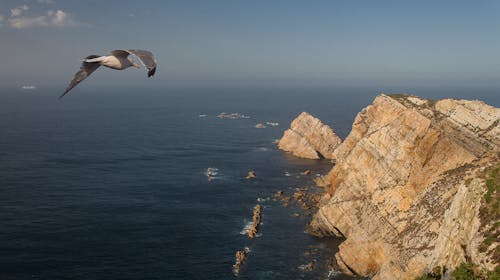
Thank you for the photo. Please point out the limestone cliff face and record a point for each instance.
(309, 138)
(405, 190)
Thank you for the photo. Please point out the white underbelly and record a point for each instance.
(115, 63)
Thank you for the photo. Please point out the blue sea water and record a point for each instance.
(111, 185)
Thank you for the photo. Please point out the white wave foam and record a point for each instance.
(233, 116)
(211, 172)
(265, 199)
(333, 273)
(246, 227)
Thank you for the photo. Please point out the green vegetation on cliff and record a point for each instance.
(490, 214)
(466, 271)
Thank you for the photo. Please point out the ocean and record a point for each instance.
(106, 184)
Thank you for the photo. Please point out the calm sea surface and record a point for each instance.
(109, 185)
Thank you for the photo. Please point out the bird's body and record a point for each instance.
(115, 63)
(117, 60)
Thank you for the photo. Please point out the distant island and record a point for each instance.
(414, 188)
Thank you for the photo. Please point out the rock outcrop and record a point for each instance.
(305, 172)
(241, 257)
(251, 175)
(309, 138)
(406, 189)
(254, 228)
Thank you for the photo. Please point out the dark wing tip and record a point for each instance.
(151, 72)
(66, 91)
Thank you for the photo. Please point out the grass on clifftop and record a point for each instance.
(490, 214)
(403, 99)
(466, 271)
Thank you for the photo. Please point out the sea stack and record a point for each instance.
(241, 256)
(254, 228)
(309, 138)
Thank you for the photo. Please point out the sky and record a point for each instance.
(245, 44)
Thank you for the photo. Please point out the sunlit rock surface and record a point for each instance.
(406, 188)
(309, 138)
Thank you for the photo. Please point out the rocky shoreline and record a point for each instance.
(410, 192)
(306, 200)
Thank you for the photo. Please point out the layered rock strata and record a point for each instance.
(406, 188)
(309, 138)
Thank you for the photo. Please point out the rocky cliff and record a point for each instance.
(407, 187)
(309, 138)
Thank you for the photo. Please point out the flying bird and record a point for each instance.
(118, 60)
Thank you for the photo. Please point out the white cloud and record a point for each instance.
(18, 11)
(24, 22)
(57, 18)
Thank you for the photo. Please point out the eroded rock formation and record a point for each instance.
(241, 257)
(309, 138)
(254, 228)
(406, 188)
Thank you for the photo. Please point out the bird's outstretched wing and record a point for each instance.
(121, 53)
(146, 57)
(85, 70)
(148, 60)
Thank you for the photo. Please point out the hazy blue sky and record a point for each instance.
(271, 43)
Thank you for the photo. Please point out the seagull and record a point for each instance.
(118, 60)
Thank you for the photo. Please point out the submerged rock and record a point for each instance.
(309, 266)
(406, 188)
(309, 138)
